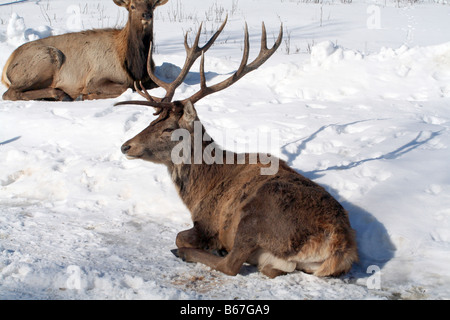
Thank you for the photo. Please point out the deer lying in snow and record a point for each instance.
(95, 64)
(280, 222)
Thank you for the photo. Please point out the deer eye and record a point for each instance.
(132, 7)
(168, 130)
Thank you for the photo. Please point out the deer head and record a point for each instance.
(154, 143)
(140, 11)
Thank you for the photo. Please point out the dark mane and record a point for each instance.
(137, 53)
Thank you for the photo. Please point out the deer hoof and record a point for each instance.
(183, 253)
(175, 253)
(179, 254)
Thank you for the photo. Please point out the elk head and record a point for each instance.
(155, 142)
(138, 33)
(140, 11)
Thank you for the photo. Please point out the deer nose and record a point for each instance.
(147, 15)
(125, 148)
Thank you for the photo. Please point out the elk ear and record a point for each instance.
(189, 114)
(122, 3)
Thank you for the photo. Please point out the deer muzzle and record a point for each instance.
(125, 148)
(131, 150)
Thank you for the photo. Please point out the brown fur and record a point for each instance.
(280, 223)
(93, 64)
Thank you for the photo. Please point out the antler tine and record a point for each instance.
(197, 38)
(264, 36)
(202, 72)
(142, 91)
(192, 54)
(159, 106)
(246, 52)
(151, 102)
(265, 53)
(243, 69)
(214, 37)
(152, 76)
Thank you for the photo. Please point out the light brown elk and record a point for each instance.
(94, 64)
(280, 222)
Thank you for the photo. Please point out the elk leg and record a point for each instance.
(103, 89)
(40, 94)
(31, 74)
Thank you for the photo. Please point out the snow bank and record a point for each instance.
(17, 33)
(335, 73)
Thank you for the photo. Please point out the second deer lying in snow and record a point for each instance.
(280, 222)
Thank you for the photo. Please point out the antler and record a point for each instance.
(192, 54)
(244, 68)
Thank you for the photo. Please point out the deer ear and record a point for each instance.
(122, 3)
(189, 113)
(161, 2)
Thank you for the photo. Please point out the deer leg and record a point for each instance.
(190, 239)
(230, 264)
(187, 239)
(244, 246)
(271, 272)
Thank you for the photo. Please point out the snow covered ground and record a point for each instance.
(359, 95)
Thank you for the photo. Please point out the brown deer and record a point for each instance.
(280, 222)
(94, 64)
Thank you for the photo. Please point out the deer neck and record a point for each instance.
(135, 43)
(195, 178)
